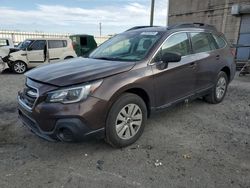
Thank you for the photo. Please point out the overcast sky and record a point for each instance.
(78, 16)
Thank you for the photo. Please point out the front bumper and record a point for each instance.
(6, 59)
(3, 64)
(54, 124)
(66, 130)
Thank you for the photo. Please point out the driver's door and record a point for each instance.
(177, 79)
(36, 53)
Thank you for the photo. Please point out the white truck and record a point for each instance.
(5, 45)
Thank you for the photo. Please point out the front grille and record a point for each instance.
(28, 96)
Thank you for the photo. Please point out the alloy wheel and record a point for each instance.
(19, 67)
(221, 87)
(128, 121)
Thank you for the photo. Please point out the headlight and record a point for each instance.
(74, 94)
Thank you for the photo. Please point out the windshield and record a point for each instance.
(25, 44)
(131, 46)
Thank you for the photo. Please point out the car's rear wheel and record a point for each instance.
(219, 90)
(126, 120)
(19, 67)
(68, 57)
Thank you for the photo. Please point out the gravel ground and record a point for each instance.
(190, 145)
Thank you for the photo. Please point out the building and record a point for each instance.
(232, 17)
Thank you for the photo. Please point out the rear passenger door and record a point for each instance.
(206, 59)
(57, 49)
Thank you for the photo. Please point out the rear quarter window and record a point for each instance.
(57, 44)
(220, 41)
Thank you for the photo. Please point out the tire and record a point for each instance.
(220, 86)
(68, 57)
(19, 67)
(122, 131)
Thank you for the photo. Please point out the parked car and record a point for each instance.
(111, 93)
(5, 44)
(83, 44)
(34, 52)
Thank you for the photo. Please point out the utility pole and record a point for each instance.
(152, 12)
(100, 29)
(167, 12)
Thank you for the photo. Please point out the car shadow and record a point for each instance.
(7, 71)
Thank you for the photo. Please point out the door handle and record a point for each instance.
(217, 57)
(192, 65)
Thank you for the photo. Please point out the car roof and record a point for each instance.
(147, 28)
(81, 35)
(47, 38)
(175, 27)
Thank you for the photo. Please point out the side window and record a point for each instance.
(38, 45)
(177, 43)
(64, 43)
(83, 41)
(202, 42)
(220, 41)
(212, 42)
(57, 43)
(73, 39)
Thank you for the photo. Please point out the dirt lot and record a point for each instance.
(197, 145)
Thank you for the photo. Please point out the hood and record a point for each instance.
(77, 70)
(5, 51)
(14, 50)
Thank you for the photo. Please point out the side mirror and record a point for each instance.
(171, 57)
(166, 58)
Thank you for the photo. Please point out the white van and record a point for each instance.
(34, 52)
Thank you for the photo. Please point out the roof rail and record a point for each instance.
(194, 25)
(140, 27)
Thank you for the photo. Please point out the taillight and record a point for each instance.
(233, 51)
(72, 45)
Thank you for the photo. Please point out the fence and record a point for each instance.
(19, 36)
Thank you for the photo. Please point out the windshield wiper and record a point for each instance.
(106, 58)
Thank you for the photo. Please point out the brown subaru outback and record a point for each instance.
(111, 93)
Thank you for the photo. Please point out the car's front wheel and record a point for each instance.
(219, 90)
(126, 120)
(19, 67)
